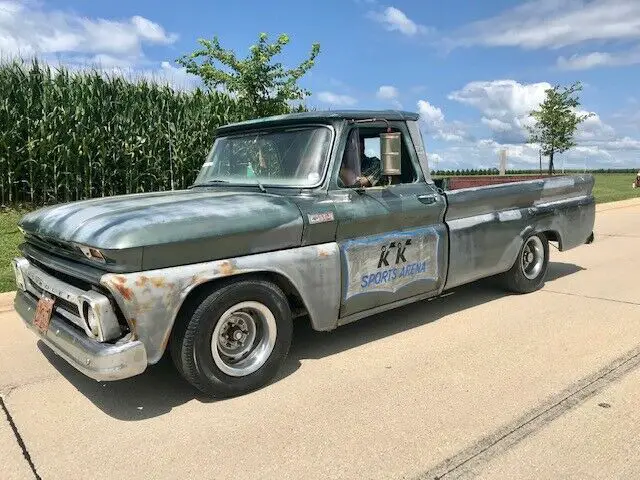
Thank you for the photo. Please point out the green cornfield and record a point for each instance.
(72, 135)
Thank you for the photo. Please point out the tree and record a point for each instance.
(265, 86)
(557, 121)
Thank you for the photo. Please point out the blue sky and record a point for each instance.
(472, 69)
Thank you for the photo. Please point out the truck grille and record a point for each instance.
(61, 303)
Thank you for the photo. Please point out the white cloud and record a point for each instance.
(555, 24)
(434, 157)
(151, 31)
(387, 92)
(176, 77)
(505, 105)
(501, 97)
(27, 29)
(432, 116)
(599, 59)
(496, 125)
(114, 47)
(394, 19)
(434, 123)
(594, 129)
(336, 99)
(615, 153)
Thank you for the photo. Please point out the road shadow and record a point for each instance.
(558, 270)
(160, 388)
(155, 392)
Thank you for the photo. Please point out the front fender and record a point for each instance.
(150, 300)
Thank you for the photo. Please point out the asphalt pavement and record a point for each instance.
(475, 384)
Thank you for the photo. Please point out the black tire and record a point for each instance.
(520, 280)
(191, 343)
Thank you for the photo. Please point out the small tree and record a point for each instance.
(557, 121)
(267, 88)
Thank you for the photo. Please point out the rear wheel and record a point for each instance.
(528, 272)
(234, 339)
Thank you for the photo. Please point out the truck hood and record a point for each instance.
(173, 228)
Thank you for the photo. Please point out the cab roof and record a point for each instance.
(322, 116)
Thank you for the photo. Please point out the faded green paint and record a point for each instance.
(330, 243)
(208, 223)
(162, 229)
(336, 116)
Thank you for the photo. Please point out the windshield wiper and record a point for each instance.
(209, 182)
(260, 186)
(217, 181)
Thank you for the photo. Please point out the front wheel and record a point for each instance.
(528, 272)
(233, 340)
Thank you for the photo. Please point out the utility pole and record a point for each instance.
(503, 161)
(540, 156)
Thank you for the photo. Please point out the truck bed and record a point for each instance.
(459, 182)
(487, 221)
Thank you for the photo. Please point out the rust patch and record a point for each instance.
(322, 253)
(142, 280)
(133, 324)
(133, 327)
(158, 282)
(165, 341)
(119, 284)
(199, 278)
(126, 293)
(226, 268)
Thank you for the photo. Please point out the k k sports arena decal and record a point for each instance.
(390, 261)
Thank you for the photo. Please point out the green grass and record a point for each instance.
(10, 238)
(609, 187)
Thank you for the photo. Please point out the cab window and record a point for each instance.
(361, 164)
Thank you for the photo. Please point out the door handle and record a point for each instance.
(427, 198)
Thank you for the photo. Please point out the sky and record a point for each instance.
(472, 69)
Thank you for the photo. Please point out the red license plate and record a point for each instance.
(43, 313)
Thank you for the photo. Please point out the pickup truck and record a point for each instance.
(329, 216)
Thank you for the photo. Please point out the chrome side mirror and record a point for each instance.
(390, 147)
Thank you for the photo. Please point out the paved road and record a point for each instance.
(474, 384)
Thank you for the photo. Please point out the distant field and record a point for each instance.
(609, 187)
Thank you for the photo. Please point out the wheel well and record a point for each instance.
(296, 303)
(553, 236)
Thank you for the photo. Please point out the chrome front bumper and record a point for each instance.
(100, 361)
(73, 338)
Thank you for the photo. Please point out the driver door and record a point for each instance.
(392, 238)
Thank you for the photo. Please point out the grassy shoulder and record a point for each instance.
(609, 187)
(10, 238)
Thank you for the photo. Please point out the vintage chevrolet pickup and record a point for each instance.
(332, 216)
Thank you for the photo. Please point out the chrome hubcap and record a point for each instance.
(243, 339)
(532, 258)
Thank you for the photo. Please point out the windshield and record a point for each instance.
(293, 157)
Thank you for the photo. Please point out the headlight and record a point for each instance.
(17, 272)
(92, 321)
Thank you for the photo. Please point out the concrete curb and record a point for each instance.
(630, 202)
(6, 301)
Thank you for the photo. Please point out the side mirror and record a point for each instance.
(390, 147)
